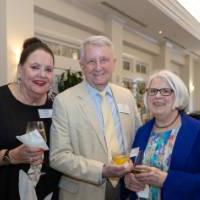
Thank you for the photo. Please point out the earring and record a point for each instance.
(18, 79)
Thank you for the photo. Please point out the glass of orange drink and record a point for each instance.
(120, 158)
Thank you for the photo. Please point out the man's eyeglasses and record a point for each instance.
(163, 91)
(101, 61)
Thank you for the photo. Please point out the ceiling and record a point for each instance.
(150, 16)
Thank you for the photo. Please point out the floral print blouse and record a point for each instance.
(158, 154)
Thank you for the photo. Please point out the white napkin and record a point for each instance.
(144, 193)
(26, 187)
(49, 196)
(33, 139)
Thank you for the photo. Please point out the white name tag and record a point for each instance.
(134, 152)
(45, 113)
(123, 108)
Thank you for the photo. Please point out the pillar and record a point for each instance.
(17, 23)
(114, 30)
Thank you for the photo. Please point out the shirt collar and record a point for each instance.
(93, 91)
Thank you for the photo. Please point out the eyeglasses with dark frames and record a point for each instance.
(162, 91)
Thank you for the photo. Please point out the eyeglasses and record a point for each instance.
(101, 61)
(162, 91)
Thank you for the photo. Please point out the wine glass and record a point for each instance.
(35, 170)
(37, 125)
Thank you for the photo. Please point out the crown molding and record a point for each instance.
(86, 7)
(66, 20)
(55, 36)
(140, 34)
(116, 18)
(180, 15)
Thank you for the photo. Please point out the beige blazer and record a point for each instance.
(78, 148)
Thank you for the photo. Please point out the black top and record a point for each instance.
(14, 116)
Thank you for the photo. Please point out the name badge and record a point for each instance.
(45, 113)
(134, 152)
(123, 108)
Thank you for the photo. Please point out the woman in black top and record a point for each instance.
(19, 103)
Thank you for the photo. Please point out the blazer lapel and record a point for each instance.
(88, 109)
(147, 133)
(119, 100)
(185, 138)
(143, 134)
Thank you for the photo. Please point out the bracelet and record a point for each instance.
(6, 158)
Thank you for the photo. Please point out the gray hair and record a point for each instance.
(180, 90)
(96, 40)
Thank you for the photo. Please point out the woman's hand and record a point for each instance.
(25, 154)
(132, 183)
(152, 176)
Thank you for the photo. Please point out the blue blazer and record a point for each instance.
(183, 180)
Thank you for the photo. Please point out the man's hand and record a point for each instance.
(111, 170)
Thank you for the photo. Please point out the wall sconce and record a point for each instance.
(17, 52)
(191, 87)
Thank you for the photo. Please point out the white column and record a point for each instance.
(189, 79)
(163, 60)
(17, 23)
(196, 92)
(114, 30)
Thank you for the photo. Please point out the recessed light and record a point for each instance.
(160, 32)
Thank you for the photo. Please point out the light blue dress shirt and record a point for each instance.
(94, 93)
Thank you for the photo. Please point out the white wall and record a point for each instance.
(54, 27)
(176, 69)
(140, 55)
(196, 91)
(64, 11)
(16, 25)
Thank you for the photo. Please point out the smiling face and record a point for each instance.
(98, 65)
(160, 106)
(36, 74)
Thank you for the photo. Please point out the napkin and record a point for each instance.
(49, 196)
(26, 187)
(33, 139)
(144, 193)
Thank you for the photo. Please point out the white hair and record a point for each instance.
(96, 40)
(177, 85)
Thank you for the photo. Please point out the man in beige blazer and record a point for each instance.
(78, 146)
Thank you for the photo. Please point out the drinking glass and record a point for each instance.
(120, 158)
(35, 170)
(37, 125)
(138, 161)
(144, 194)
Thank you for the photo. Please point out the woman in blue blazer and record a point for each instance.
(171, 142)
